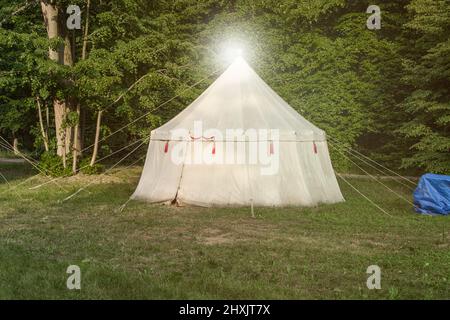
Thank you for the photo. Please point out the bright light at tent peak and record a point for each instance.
(233, 53)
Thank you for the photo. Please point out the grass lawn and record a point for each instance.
(164, 252)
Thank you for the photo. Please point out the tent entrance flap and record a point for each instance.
(161, 177)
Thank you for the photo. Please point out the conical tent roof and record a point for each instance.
(239, 98)
(292, 168)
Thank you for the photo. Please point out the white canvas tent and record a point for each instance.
(289, 165)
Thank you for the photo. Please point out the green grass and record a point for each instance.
(164, 252)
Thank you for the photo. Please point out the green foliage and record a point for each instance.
(427, 75)
(52, 165)
(71, 119)
(86, 168)
(25, 70)
(384, 92)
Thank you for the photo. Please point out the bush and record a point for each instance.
(87, 169)
(52, 165)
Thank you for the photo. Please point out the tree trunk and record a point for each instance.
(97, 136)
(86, 31)
(47, 117)
(51, 19)
(51, 16)
(41, 123)
(16, 146)
(77, 143)
(82, 127)
(78, 128)
(64, 156)
(60, 113)
(70, 137)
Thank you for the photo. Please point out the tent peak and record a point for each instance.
(239, 61)
(239, 67)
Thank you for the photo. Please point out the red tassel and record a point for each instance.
(166, 147)
(214, 148)
(271, 147)
(315, 148)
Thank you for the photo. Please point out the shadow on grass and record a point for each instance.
(15, 171)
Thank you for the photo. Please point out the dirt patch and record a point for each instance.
(219, 239)
(215, 236)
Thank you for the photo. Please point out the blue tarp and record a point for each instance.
(432, 195)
